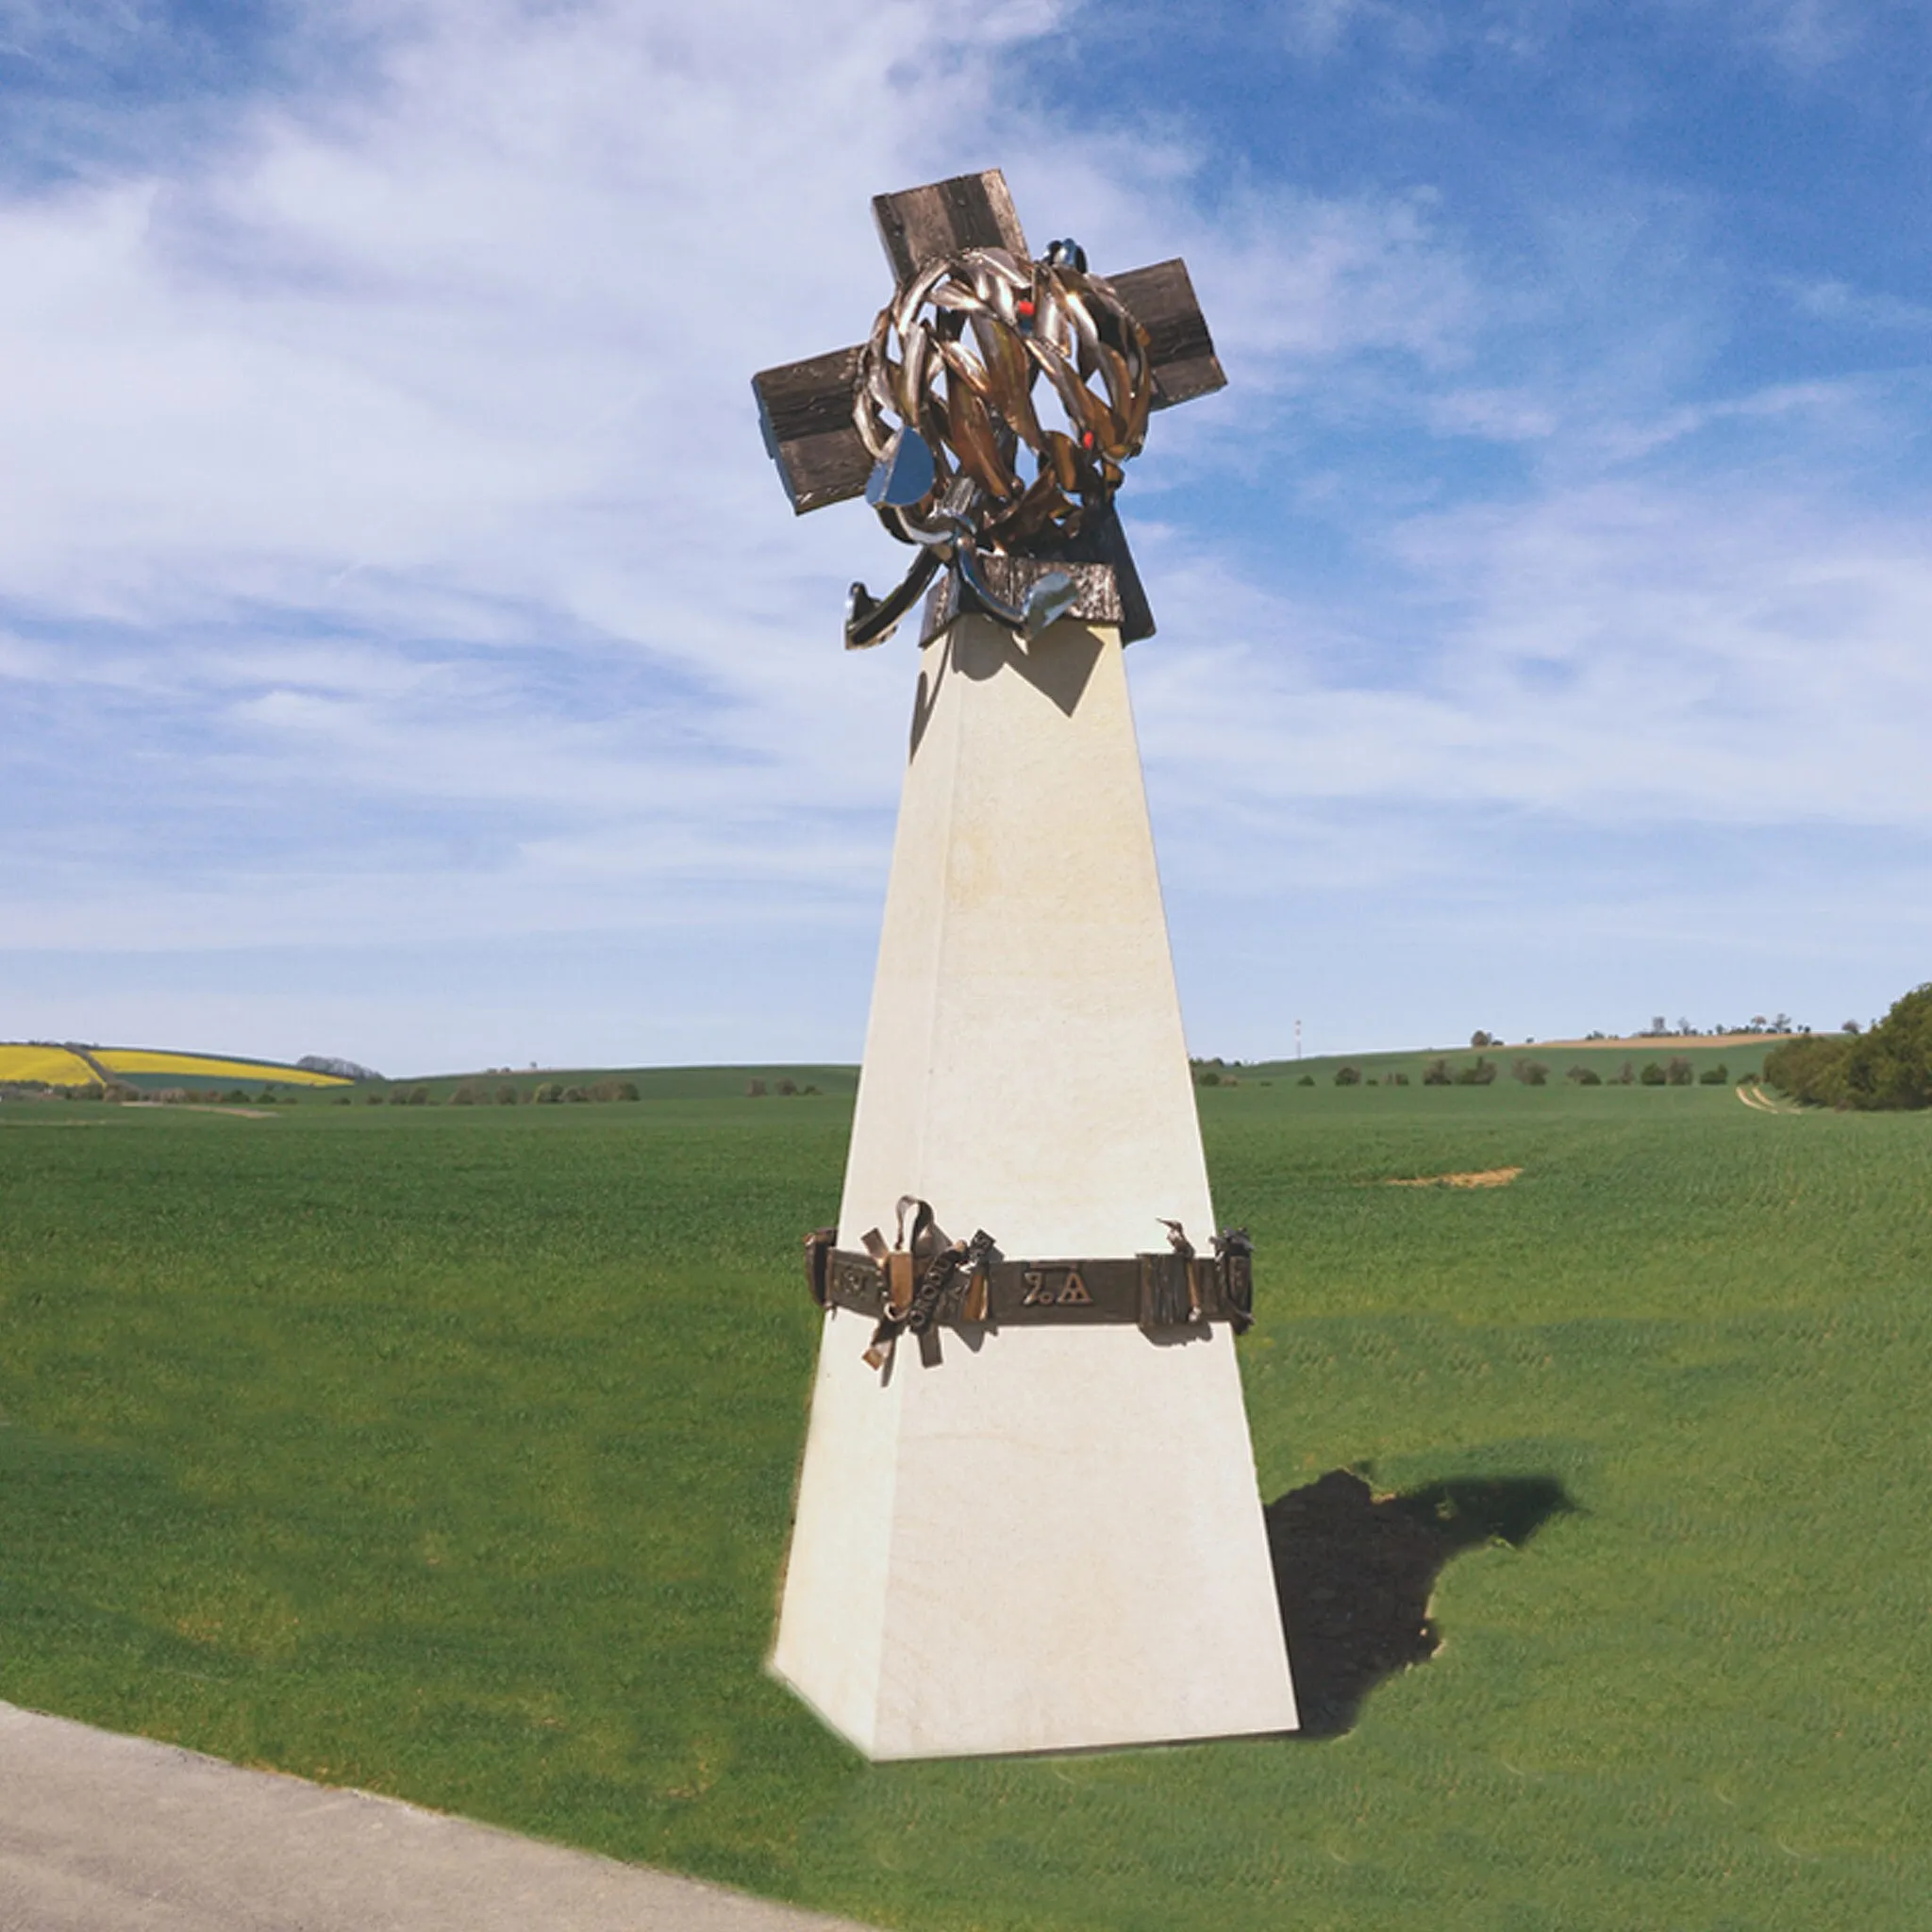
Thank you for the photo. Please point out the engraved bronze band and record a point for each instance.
(1156, 1292)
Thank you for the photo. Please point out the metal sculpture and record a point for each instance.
(942, 405)
(956, 358)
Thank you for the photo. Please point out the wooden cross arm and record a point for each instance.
(1161, 300)
(804, 410)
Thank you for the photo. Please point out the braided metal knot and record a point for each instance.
(946, 404)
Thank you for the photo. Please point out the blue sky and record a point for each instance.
(406, 651)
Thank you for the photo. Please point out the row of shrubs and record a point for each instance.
(121, 1090)
(1889, 1066)
(1676, 1072)
(550, 1093)
(476, 1094)
(182, 1096)
(1482, 1072)
(46, 1089)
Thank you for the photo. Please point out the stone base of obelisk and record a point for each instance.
(1050, 1538)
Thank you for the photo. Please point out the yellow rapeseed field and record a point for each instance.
(53, 1064)
(128, 1059)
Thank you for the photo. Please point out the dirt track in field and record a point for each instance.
(1760, 1102)
(1485, 1178)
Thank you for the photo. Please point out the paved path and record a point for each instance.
(100, 1833)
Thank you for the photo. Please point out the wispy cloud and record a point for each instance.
(1808, 35)
(455, 371)
(1616, 654)
(1835, 301)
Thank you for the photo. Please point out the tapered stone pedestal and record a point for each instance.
(1050, 1538)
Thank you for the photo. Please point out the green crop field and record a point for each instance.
(448, 1451)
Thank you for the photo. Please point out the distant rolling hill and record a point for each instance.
(38, 1063)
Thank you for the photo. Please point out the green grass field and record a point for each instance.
(448, 1451)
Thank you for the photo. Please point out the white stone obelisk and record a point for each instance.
(1052, 1538)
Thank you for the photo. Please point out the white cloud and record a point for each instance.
(1805, 35)
(1298, 280)
(1832, 301)
(455, 371)
(1614, 656)
(452, 369)
(1316, 27)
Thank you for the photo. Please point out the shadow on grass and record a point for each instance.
(1352, 1574)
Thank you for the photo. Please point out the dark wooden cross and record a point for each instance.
(806, 409)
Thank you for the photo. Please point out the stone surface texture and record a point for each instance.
(1052, 1538)
(100, 1833)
